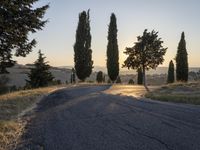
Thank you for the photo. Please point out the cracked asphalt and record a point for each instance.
(86, 118)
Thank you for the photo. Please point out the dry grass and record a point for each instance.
(14, 103)
(11, 106)
(10, 131)
(178, 92)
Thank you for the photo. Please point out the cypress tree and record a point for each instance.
(170, 77)
(40, 76)
(82, 47)
(18, 18)
(182, 61)
(112, 50)
(73, 76)
(139, 76)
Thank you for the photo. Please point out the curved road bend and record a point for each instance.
(85, 118)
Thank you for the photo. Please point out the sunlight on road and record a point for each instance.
(129, 90)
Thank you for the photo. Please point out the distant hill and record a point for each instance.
(18, 74)
(124, 71)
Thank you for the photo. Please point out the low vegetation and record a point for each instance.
(12, 106)
(178, 92)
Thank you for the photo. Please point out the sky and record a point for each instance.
(168, 17)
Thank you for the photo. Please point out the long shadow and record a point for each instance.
(72, 119)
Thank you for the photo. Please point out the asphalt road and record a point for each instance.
(85, 118)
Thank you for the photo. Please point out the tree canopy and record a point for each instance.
(100, 77)
(18, 19)
(182, 60)
(40, 76)
(82, 47)
(147, 53)
(112, 50)
(170, 76)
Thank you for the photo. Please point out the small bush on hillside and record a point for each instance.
(131, 82)
(100, 77)
(118, 80)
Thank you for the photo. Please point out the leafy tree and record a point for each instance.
(147, 53)
(82, 47)
(100, 77)
(73, 76)
(182, 61)
(18, 19)
(118, 80)
(170, 77)
(39, 75)
(112, 50)
(131, 81)
(140, 76)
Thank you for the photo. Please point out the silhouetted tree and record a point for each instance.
(3, 84)
(170, 77)
(73, 76)
(182, 61)
(112, 50)
(131, 81)
(118, 80)
(147, 53)
(17, 20)
(100, 77)
(139, 76)
(104, 78)
(109, 81)
(39, 75)
(82, 47)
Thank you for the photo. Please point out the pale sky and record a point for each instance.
(168, 17)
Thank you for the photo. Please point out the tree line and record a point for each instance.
(19, 19)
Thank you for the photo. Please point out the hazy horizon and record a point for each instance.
(169, 18)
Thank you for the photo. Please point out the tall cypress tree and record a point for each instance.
(82, 47)
(170, 77)
(140, 76)
(40, 76)
(112, 50)
(182, 61)
(18, 18)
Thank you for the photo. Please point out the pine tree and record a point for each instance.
(170, 77)
(147, 53)
(17, 20)
(40, 76)
(182, 61)
(100, 77)
(112, 50)
(82, 47)
(139, 76)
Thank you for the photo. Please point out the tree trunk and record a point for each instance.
(144, 78)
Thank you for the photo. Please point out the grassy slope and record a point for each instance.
(178, 92)
(11, 106)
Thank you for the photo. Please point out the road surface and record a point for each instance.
(87, 118)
